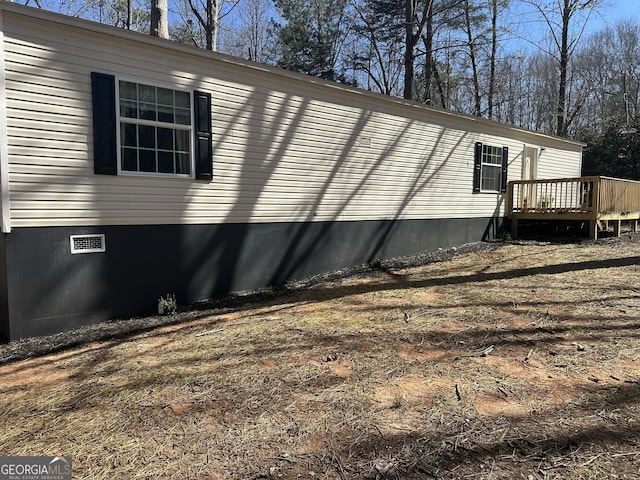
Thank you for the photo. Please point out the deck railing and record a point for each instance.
(618, 196)
(568, 195)
(582, 195)
(596, 199)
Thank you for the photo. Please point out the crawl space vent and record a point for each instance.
(87, 243)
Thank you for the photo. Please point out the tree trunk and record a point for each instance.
(444, 102)
(492, 65)
(159, 19)
(561, 127)
(427, 38)
(477, 109)
(209, 27)
(129, 14)
(409, 57)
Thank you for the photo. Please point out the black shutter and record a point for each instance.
(477, 166)
(505, 165)
(203, 148)
(105, 153)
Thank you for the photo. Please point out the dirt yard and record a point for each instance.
(497, 362)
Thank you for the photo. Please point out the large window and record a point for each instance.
(149, 130)
(490, 168)
(155, 129)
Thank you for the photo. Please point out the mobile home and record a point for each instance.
(132, 167)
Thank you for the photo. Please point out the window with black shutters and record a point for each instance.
(143, 129)
(490, 168)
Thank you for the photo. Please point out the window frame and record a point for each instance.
(489, 165)
(481, 153)
(191, 128)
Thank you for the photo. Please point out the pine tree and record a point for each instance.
(310, 40)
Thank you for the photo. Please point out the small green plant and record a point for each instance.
(167, 305)
(375, 263)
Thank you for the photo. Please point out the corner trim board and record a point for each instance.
(5, 205)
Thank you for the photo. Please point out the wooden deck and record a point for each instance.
(600, 201)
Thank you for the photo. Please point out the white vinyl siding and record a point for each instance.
(285, 147)
(554, 163)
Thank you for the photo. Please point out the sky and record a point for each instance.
(614, 10)
(530, 32)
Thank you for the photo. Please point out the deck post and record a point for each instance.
(634, 225)
(510, 199)
(593, 229)
(616, 227)
(513, 221)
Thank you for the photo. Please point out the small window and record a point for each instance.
(490, 168)
(155, 130)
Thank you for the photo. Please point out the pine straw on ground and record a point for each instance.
(513, 361)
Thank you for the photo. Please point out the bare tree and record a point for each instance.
(469, 11)
(509, 101)
(207, 19)
(128, 14)
(201, 21)
(255, 19)
(565, 21)
(250, 35)
(496, 7)
(429, 63)
(608, 64)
